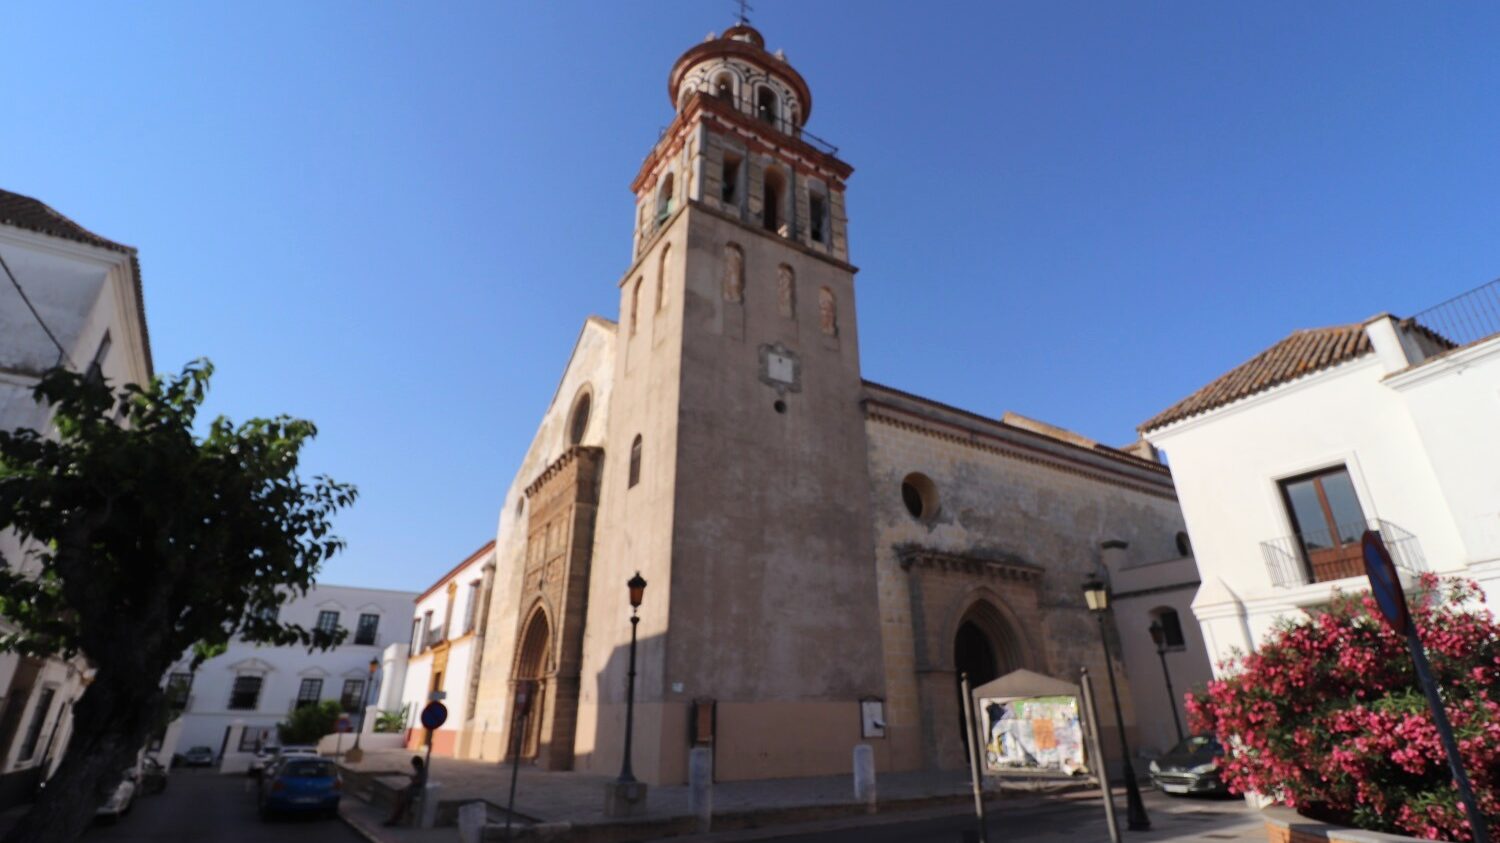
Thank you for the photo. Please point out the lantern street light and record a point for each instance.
(1159, 636)
(637, 586)
(1096, 595)
(364, 706)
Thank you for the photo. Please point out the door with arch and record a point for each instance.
(532, 664)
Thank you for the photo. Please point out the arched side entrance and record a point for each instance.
(531, 664)
(972, 616)
(985, 647)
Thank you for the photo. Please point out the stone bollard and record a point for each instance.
(701, 786)
(472, 817)
(430, 805)
(864, 776)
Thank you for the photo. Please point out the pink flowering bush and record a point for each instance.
(1327, 716)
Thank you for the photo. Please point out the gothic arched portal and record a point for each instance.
(531, 664)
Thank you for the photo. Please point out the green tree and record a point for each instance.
(147, 539)
(309, 723)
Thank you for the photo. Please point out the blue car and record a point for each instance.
(300, 786)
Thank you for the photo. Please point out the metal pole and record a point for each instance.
(364, 706)
(974, 775)
(625, 773)
(515, 761)
(1096, 749)
(1135, 809)
(1171, 694)
(1477, 824)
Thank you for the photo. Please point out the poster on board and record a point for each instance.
(1029, 734)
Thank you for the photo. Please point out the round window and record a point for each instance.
(920, 495)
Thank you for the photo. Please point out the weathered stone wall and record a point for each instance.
(592, 367)
(1009, 501)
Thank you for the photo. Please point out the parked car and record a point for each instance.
(121, 800)
(268, 756)
(299, 784)
(198, 756)
(153, 776)
(1190, 767)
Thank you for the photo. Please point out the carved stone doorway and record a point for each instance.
(532, 665)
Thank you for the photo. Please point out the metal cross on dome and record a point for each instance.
(745, 10)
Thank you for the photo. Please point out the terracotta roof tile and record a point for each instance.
(35, 215)
(1302, 353)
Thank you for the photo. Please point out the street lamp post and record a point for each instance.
(637, 586)
(364, 700)
(1096, 594)
(355, 754)
(1159, 637)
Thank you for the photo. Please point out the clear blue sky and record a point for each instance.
(392, 218)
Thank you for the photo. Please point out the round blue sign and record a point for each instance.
(1385, 585)
(343, 724)
(434, 715)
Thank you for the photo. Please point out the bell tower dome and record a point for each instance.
(756, 160)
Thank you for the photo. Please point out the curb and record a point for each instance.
(360, 827)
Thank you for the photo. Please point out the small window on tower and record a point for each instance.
(770, 213)
(661, 278)
(724, 87)
(765, 104)
(817, 209)
(731, 179)
(635, 304)
(635, 462)
(664, 199)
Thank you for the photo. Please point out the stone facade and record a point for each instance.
(742, 465)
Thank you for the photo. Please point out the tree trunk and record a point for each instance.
(110, 724)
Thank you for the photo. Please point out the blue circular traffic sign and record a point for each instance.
(1385, 585)
(434, 715)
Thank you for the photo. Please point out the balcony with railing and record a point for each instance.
(1321, 555)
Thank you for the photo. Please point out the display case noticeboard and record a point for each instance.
(1029, 723)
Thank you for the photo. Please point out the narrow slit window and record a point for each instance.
(661, 278)
(635, 462)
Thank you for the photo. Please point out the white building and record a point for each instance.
(1282, 463)
(447, 638)
(258, 686)
(1157, 592)
(70, 297)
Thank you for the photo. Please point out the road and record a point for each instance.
(201, 806)
(1173, 821)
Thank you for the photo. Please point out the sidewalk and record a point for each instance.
(571, 805)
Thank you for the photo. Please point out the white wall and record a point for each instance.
(1140, 590)
(82, 293)
(1419, 445)
(456, 638)
(283, 668)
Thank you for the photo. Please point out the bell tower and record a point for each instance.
(737, 478)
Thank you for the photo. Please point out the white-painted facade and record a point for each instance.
(1143, 592)
(1415, 429)
(258, 686)
(446, 638)
(72, 298)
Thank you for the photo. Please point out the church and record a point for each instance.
(823, 555)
